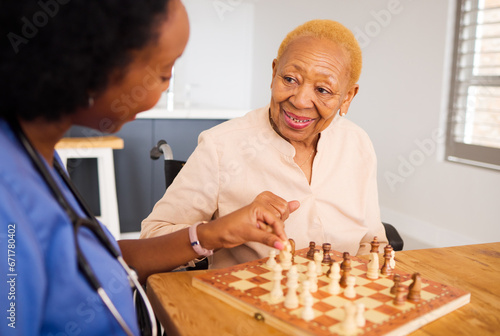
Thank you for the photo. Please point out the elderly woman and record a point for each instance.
(296, 147)
(65, 274)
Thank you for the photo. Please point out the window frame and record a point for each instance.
(455, 151)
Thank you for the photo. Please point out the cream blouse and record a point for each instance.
(238, 159)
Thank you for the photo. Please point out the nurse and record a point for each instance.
(65, 63)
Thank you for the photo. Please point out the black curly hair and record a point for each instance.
(55, 53)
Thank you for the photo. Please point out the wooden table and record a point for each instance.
(184, 310)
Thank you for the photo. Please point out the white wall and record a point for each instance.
(215, 69)
(401, 104)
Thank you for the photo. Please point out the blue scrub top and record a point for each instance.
(42, 292)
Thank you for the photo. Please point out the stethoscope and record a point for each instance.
(91, 224)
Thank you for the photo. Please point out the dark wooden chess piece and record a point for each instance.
(397, 280)
(375, 244)
(386, 268)
(414, 289)
(292, 245)
(400, 298)
(310, 253)
(345, 268)
(327, 257)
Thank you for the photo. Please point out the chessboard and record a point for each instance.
(247, 287)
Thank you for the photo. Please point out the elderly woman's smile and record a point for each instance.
(297, 122)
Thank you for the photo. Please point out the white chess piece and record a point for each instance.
(272, 260)
(392, 262)
(286, 256)
(291, 298)
(373, 267)
(360, 315)
(293, 274)
(306, 291)
(308, 312)
(277, 291)
(349, 291)
(349, 323)
(312, 277)
(318, 257)
(334, 286)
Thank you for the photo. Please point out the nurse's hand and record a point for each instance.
(261, 221)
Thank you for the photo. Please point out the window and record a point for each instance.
(474, 115)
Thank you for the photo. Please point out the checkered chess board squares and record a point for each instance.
(252, 283)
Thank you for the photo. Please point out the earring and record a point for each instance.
(91, 102)
(341, 113)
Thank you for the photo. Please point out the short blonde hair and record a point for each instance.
(333, 31)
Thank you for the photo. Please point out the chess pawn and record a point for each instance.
(397, 280)
(346, 259)
(291, 298)
(327, 257)
(346, 268)
(350, 292)
(360, 315)
(375, 244)
(349, 326)
(272, 259)
(310, 253)
(334, 286)
(386, 267)
(312, 277)
(400, 298)
(318, 257)
(414, 289)
(372, 272)
(293, 273)
(308, 312)
(306, 291)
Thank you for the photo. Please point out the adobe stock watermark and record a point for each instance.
(31, 26)
(222, 7)
(416, 158)
(381, 19)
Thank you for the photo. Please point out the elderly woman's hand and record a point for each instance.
(260, 221)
